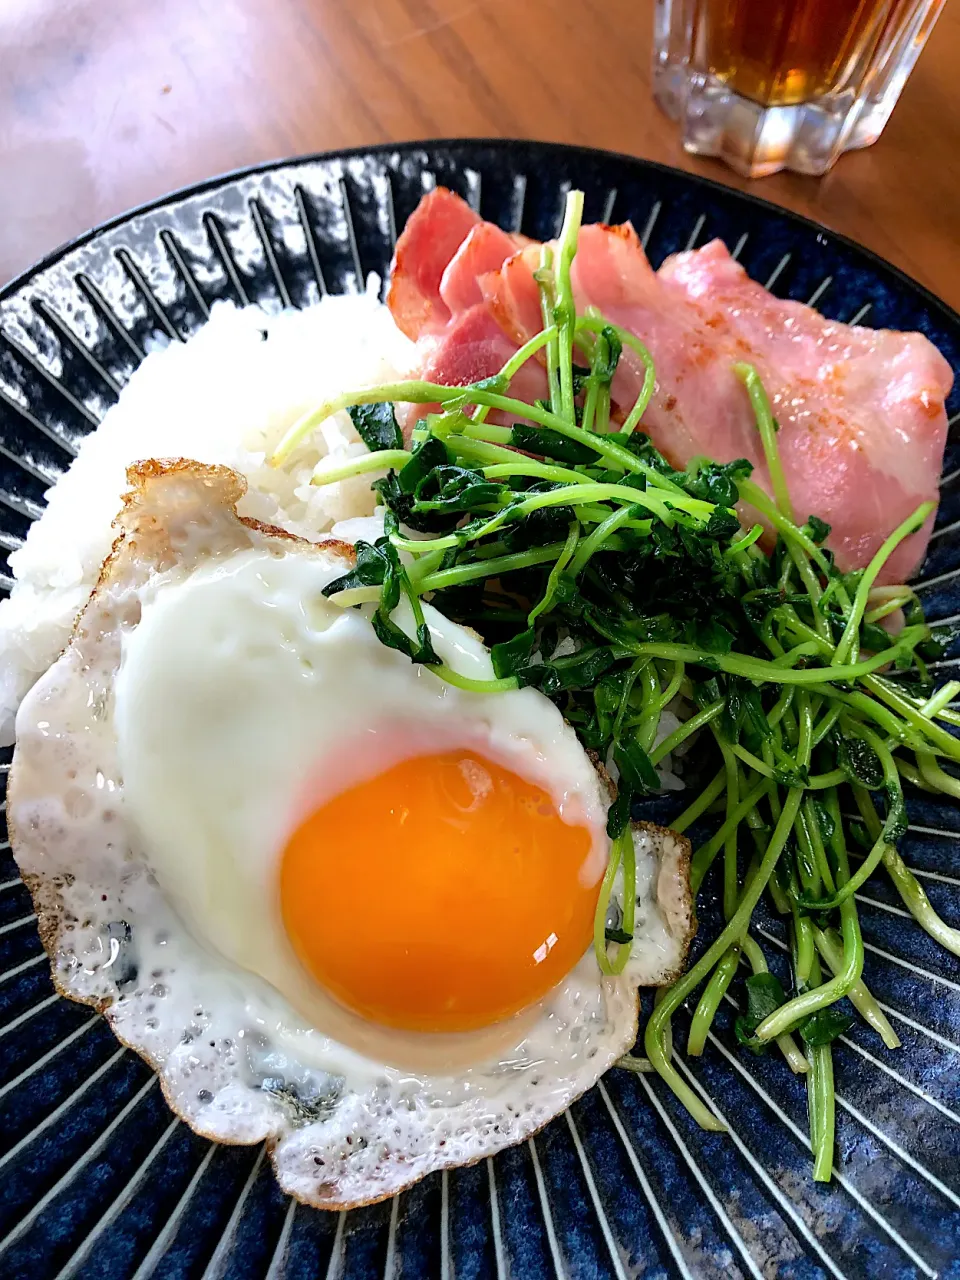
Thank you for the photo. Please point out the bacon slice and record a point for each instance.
(861, 411)
(435, 297)
(473, 347)
(435, 231)
(484, 249)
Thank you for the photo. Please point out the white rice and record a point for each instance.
(225, 396)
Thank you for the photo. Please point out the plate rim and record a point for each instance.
(712, 185)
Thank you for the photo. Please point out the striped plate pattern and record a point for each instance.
(98, 1178)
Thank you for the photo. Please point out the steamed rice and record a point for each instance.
(226, 396)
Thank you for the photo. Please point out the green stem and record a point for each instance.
(803, 947)
(630, 340)
(571, 494)
(553, 581)
(760, 670)
(937, 778)
(800, 1007)
(768, 435)
(383, 460)
(703, 858)
(905, 882)
(548, 299)
(492, 568)
(849, 640)
(821, 1102)
(900, 597)
(686, 730)
(697, 808)
(565, 310)
(754, 534)
(714, 992)
(639, 1066)
(621, 852)
(473, 686)
(917, 903)
(544, 338)
(520, 466)
(856, 881)
(859, 994)
(933, 706)
(737, 925)
(751, 492)
(595, 540)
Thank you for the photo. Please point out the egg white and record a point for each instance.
(243, 691)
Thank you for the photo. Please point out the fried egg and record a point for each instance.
(338, 902)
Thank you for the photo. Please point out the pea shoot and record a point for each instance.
(620, 587)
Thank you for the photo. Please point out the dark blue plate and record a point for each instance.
(97, 1177)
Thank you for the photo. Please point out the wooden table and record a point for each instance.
(108, 103)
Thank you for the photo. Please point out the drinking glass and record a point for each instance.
(784, 84)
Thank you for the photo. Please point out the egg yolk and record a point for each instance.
(442, 895)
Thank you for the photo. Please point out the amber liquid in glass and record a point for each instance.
(782, 52)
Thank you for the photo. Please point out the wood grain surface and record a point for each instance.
(107, 103)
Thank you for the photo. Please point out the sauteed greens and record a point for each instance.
(620, 588)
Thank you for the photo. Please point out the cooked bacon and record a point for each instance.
(433, 234)
(435, 298)
(484, 249)
(861, 412)
(472, 347)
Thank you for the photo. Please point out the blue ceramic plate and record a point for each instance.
(98, 1178)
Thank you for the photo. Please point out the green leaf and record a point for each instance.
(580, 375)
(449, 488)
(539, 528)
(816, 529)
(370, 570)
(706, 692)
(859, 762)
(895, 823)
(579, 670)
(743, 715)
(608, 356)
(723, 523)
(376, 425)
(757, 604)
(710, 635)
(717, 482)
(637, 774)
(547, 443)
(378, 565)
(618, 815)
(765, 995)
(941, 636)
(607, 697)
(618, 935)
(874, 639)
(859, 834)
(824, 821)
(825, 1025)
(397, 488)
(510, 656)
(431, 453)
